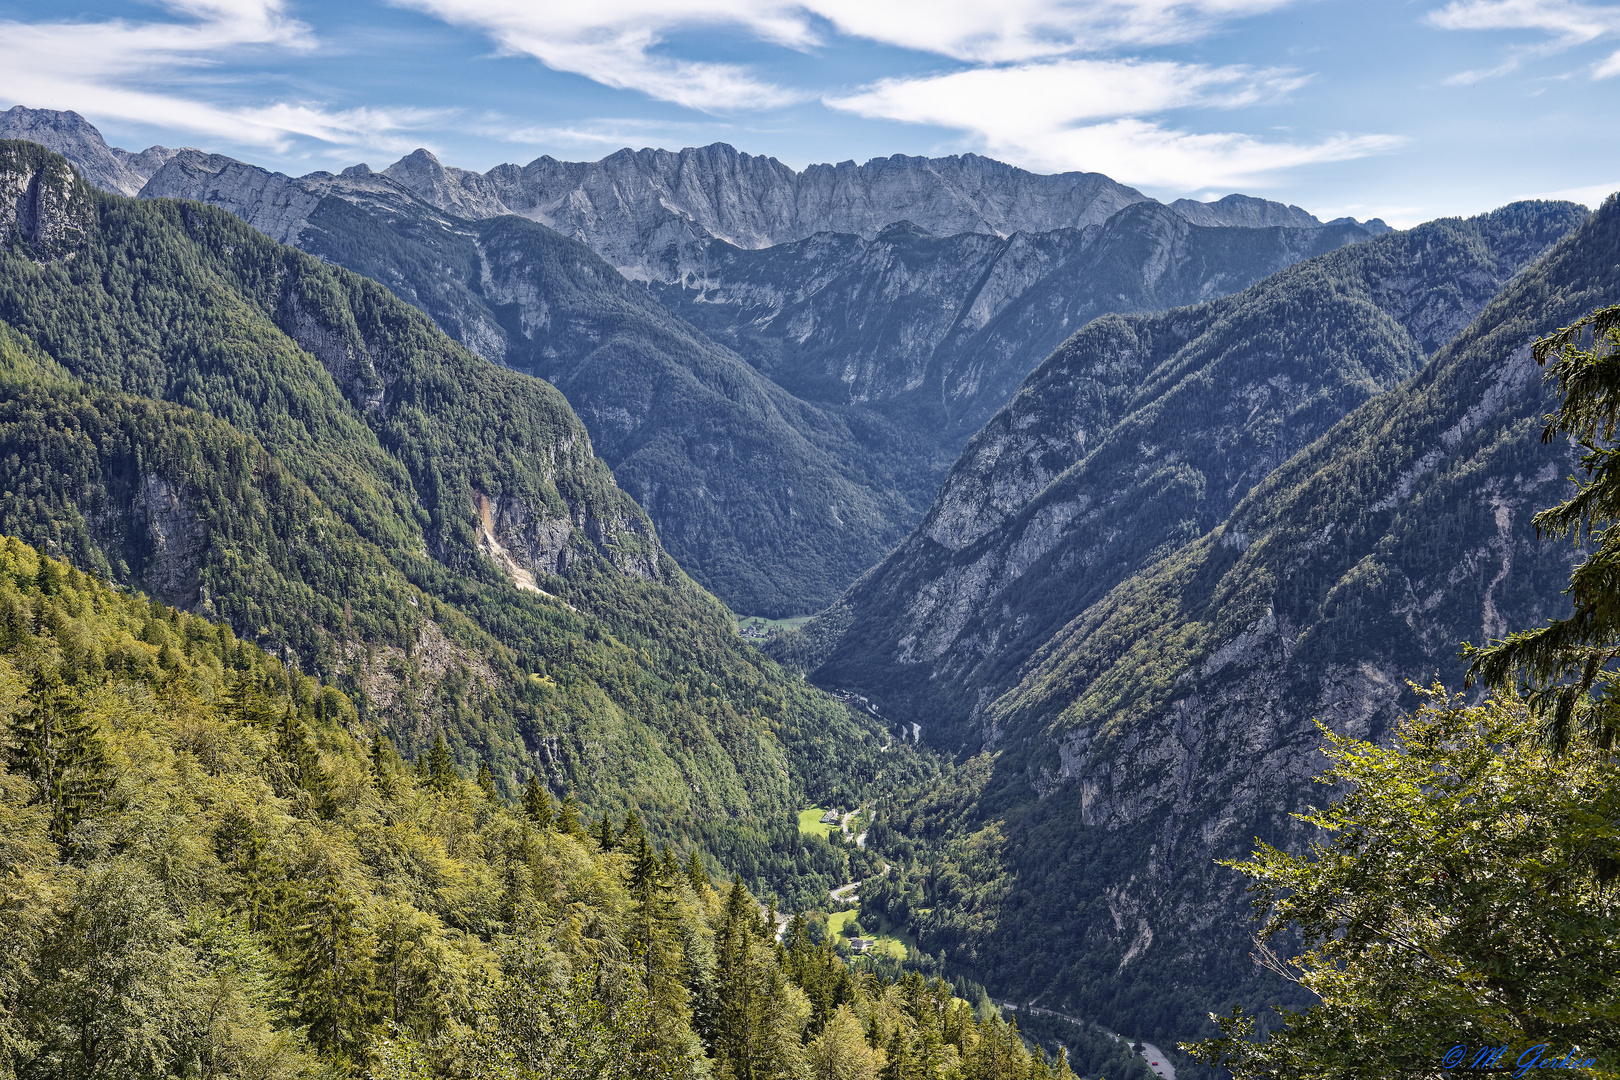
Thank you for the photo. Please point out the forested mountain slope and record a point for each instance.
(1169, 723)
(209, 874)
(194, 410)
(1140, 434)
(772, 502)
(774, 499)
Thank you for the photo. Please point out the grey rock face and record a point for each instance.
(43, 204)
(176, 538)
(1244, 210)
(956, 322)
(457, 191)
(72, 136)
(652, 213)
(275, 204)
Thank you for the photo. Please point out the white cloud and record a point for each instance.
(1046, 116)
(110, 68)
(1015, 30)
(617, 42)
(613, 43)
(1591, 195)
(1032, 100)
(1570, 21)
(1567, 23)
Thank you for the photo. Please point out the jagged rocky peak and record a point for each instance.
(455, 190)
(75, 138)
(1244, 210)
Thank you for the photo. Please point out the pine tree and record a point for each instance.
(604, 833)
(537, 802)
(486, 782)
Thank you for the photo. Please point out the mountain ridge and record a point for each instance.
(1141, 433)
(841, 468)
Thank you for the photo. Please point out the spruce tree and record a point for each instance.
(486, 782)
(537, 802)
(568, 817)
(651, 936)
(696, 874)
(382, 762)
(442, 774)
(631, 831)
(604, 833)
(1568, 665)
(330, 969)
(55, 744)
(897, 1065)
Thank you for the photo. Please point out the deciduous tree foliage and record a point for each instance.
(1461, 893)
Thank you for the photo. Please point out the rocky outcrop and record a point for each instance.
(176, 541)
(275, 204)
(457, 191)
(1247, 211)
(43, 205)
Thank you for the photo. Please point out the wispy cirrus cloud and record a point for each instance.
(621, 43)
(1564, 25)
(156, 72)
(1089, 114)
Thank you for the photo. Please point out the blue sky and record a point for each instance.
(1405, 109)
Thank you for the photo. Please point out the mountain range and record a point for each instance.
(800, 428)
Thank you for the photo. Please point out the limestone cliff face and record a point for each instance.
(653, 213)
(43, 205)
(275, 204)
(1140, 435)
